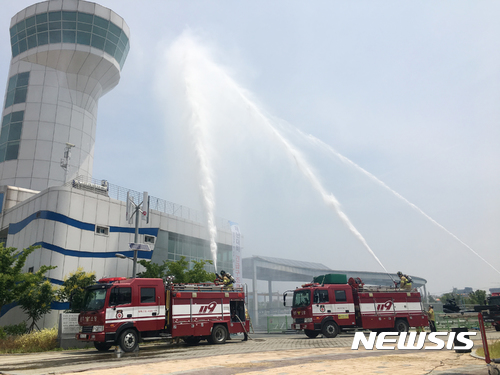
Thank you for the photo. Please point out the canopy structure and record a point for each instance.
(278, 269)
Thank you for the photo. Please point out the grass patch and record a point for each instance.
(39, 341)
(494, 349)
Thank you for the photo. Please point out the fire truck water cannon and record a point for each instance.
(331, 304)
(123, 312)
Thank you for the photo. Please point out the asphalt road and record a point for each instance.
(90, 359)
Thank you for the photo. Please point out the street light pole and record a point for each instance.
(136, 239)
(135, 209)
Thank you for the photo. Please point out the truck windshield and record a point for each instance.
(301, 298)
(94, 299)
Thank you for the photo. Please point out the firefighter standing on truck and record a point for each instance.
(404, 283)
(228, 280)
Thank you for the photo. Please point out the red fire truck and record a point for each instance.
(329, 308)
(120, 311)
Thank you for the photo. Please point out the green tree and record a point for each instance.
(36, 301)
(179, 269)
(448, 297)
(13, 282)
(73, 288)
(476, 298)
(198, 274)
(153, 270)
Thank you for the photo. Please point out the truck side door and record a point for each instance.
(120, 305)
(148, 313)
(344, 306)
(321, 303)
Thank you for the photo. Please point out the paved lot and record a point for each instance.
(265, 354)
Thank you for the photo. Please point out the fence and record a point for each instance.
(445, 322)
(103, 187)
(279, 324)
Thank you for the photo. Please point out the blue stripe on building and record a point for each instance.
(15, 228)
(54, 305)
(90, 254)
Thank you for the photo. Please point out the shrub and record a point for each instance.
(16, 329)
(13, 330)
(39, 341)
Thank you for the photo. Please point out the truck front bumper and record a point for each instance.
(309, 326)
(97, 336)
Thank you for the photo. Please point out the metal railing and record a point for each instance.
(445, 322)
(103, 187)
(279, 324)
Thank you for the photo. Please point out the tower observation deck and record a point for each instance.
(66, 54)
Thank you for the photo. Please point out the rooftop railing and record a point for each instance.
(103, 187)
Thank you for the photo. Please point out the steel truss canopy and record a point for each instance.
(278, 269)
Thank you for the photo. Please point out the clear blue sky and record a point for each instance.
(407, 90)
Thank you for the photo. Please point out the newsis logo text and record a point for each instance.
(393, 340)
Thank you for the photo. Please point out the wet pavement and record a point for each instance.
(286, 350)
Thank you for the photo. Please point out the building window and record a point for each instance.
(10, 135)
(149, 239)
(17, 89)
(70, 27)
(31, 269)
(102, 230)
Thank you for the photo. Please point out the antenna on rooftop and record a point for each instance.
(65, 160)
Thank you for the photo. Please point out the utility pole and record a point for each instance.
(136, 209)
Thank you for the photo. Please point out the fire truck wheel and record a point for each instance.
(102, 346)
(219, 335)
(497, 327)
(330, 329)
(402, 326)
(129, 340)
(311, 334)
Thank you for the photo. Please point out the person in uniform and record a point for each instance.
(227, 279)
(403, 281)
(432, 318)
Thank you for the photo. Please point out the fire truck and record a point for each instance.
(329, 308)
(124, 312)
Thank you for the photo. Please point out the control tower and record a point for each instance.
(66, 54)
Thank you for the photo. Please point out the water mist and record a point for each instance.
(197, 68)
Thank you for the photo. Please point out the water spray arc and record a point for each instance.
(199, 138)
(347, 161)
(197, 65)
(329, 199)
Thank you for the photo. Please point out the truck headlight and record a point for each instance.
(308, 320)
(97, 328)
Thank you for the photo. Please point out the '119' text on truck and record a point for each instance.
(328, 308)
(120, 311)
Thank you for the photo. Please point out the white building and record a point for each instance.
(66, 54)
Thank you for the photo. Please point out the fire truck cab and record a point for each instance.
(329, 308)
(120, 311)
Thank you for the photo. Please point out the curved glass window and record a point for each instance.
(17, 89)
(70, 27)
(12, 125)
